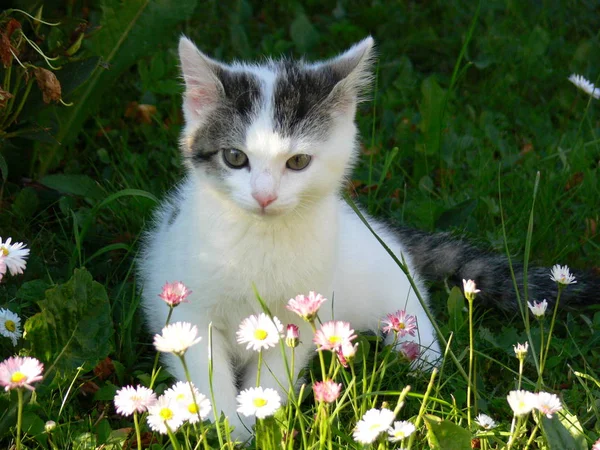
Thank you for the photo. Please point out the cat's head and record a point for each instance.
(276, 137)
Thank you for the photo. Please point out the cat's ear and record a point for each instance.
(203, 90)
(354, 67)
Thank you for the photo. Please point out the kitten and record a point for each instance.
(267, 149)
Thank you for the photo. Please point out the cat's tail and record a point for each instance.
(440, 256)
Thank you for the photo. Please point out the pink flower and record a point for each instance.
(410, 350)
(326, 391)
(596, 446)
(548, 404)
(18, 372)
(346, 352)
(292, 336)
(174, 293)
(400, 323)
(306, 306)
(332, 335)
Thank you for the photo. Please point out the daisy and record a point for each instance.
(10, 325)
(400, 323)
(306, 306)
(258, 402)
(260, 332)
(410, 350)
(326, 391)
(596, 446)
(176, 338)
(129, 400)
(374, 422)
(521, 402)
(2, 267)
(174, 293)
(400, 430)
(193, 411)
(485, 422)
(332, 335)
(346, 352)
(562, 275)
(165, 412)
(548, 404)
(585, 85)
(521, 350)
(17, 372)
(470, 289)
(538, 309)
(14, 256)
(292, 336)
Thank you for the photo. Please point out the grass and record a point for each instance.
(441, 141)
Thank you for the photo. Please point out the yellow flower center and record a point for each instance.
(193, 408)
(180, 397)
(401, 326)
(259, 402)
(335, 339)
(4, 251)
(10, 325)
(261, 335)
(399, 434)
(375, 426)
(17, 377)
(166, 414)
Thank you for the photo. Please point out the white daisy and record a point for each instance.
(585, 85)
(14, 255)
(258, 402)
(181, 393)
(260, 332)
(374, 422)
(2, 267)
(538, 309)
(485, 422)
(400, 430)
(165, 413)
(521, 402)
(10, 325)
(17, 372)
(562, 275)
(133, 399)
(548, 404)
(176, 338)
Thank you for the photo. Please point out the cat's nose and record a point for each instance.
(264, 199)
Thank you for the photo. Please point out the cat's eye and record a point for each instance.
(298, 162)
(234, 158)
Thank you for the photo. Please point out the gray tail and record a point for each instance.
(440, 256)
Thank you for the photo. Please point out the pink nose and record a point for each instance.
(264, 200)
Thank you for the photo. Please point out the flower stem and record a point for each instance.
(434, 373)
(155, 368)
(210, 384)
(560, 288)
(471, 383)
(19, 417)
(189, 380)
(138, 435)
(259, 367)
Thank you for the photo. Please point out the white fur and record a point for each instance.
(222, 243)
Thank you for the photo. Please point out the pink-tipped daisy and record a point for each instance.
(346, 352)
(18, 372)
(410, 350)
(562, 275)
(292, 336)
(400, 323)
(14, 256)
(306, 306)
(326, 391)
(548, 404)
(129, 400)
(333, 334)
(596, 445)
(260, 332)
(174, 293)
(538, 309)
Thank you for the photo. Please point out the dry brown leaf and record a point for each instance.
(575, 180)
(140, 112)
(48, 84)
(104, 369)
(4, 97)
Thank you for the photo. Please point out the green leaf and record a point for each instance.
(456, 303)
(26, 203)
(32, 291)
(446, 435)
(74, 327)
(458, 215)
(564, 431)
(80, 185)
(431, 108)
(303, 33)
(33, 425)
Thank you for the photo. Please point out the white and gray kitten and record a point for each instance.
(268, 148)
